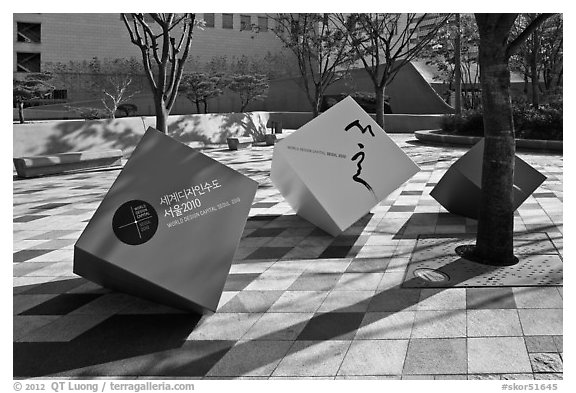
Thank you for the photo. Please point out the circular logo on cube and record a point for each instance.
(135, 222)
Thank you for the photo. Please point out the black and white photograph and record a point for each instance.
(287, 196)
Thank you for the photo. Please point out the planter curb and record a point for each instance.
(434, 136)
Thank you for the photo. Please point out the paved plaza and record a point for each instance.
(299, 303)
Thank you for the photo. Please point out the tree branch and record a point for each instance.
(148, 34)
(130, 32)
(136, 39)
(180, 62)
(513, 46)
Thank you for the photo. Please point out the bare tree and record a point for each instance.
(109, 80)
(456, 43)
(552, 53)
(164, 52)
(384, 43)
(526, 59)
(320, 49)
(117, 93)
(494, 240)
(114, 80)
(458, 66)
(540, 55)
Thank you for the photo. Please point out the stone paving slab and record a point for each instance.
(498, 355)
(298, 303)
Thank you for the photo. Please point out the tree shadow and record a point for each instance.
(163, 350)
(247, 124)
(156, 345)
(93, 135)
(216, 128)
(118, 337)
(429, 223)
(125, 133)
(419, 225)
(188, 129)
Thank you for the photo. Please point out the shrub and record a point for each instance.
(470, 123)
(127, 109)
(529, 123)
(366, 99)
(88, 113)
(542, 123)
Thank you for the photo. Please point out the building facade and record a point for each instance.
(41, 39)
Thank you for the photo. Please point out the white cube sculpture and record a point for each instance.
(338, 166)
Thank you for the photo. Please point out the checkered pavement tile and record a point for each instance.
(298, 303)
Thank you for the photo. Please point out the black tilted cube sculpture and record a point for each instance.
(460, 187)
(169, 226)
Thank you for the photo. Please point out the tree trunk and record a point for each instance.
(161, 115)
(534, 69)
(317, 103)
(457, 69)
(197, 106)
(379, 91)
(21, 111)
(315, 111)
(547, 76)
(494, 242)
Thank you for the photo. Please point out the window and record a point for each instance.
(209, 19)
(28, 32)
(245, 22)
(262, 23)
(227, 22)
(27, 62)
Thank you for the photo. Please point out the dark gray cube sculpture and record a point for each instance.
(169, 226)
(460, 187)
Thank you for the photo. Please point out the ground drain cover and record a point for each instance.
(434, 263)
(431, 275)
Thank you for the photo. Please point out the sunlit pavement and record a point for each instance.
(298, 303)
